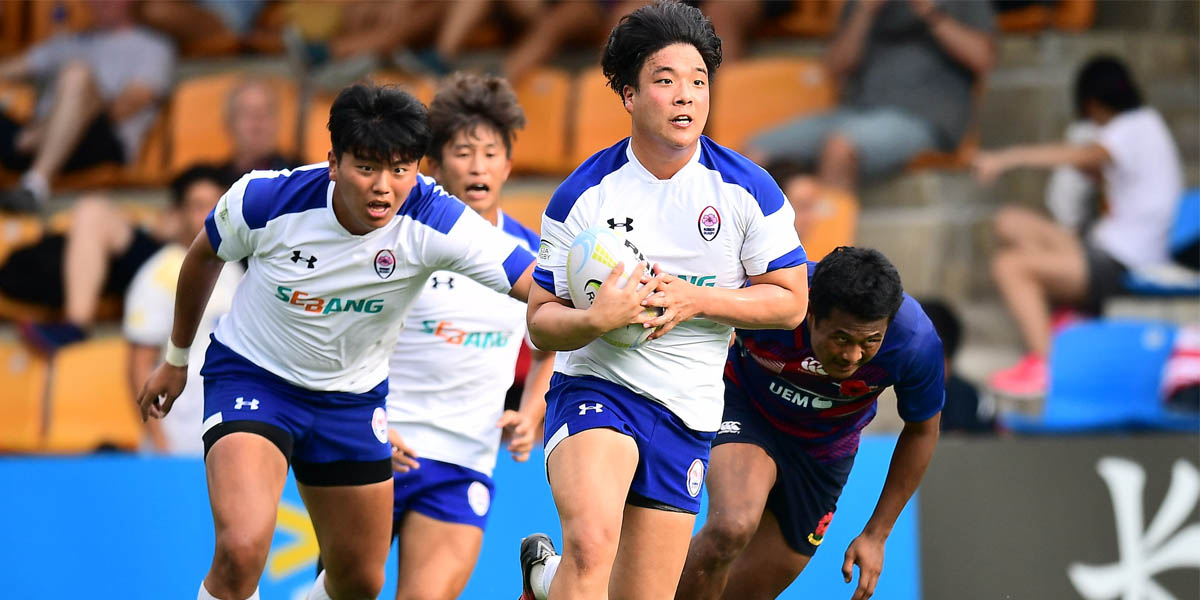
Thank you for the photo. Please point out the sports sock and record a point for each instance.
(541, 575)
(318, 589)
(204, 595)
(35, 183)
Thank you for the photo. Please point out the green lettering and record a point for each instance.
(283, 293)
(335, 305)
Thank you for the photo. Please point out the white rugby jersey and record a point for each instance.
(718, 221)
(149, 315)
(453, 364)
(321, 307)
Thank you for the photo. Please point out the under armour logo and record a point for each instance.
(449, 282)
(627, 225)
(297, 258)
(240, 402)
(583, 408)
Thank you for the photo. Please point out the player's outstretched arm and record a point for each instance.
(522, 427)
(556, 325)
(197, 276)
(774, 300)
(914, 449)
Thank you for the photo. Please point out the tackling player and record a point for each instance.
(297, 370)
(628, 430)
(795, 404)
(456, 356)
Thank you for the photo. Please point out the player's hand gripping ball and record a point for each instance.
(594, 254)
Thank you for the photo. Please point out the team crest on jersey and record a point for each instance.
(379, 424)
(385, 263)
(479, 498)
(709, 223)
(695, 477)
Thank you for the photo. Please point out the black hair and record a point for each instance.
(1108, 81)
(465, 101)
(859, 281)
(382, 123)
(651, 28)
(196, 174)
(945, 322)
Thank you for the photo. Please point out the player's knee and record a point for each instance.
(75, 72)
(239, 558)
(357, 583)
(728, 534)
(1005, 265)
(1009, 224)
(592, 547)
(839, 149)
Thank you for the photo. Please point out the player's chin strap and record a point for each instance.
(176, 356)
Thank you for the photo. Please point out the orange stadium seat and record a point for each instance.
(1068, 15)
(50, 17)
(196, 130)
(91, 404)
(17, 100)
(599, 119)
(12, 26)
(542, 146)
(526, 208)
(316, 117)
(835, 220)
(23, 379)
(960, 157)
(753, 95)
(808, 18)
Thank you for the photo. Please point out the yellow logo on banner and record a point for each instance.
(302, 552)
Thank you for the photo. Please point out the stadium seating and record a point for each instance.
(1067, 15)
(23, 379)
(17, 100)
(315, 142)
(807, 18)
(541, 146)
(50, 17)
(12, 26)
(753, 95)
(526, 208)
(1105, 375)
(835, 220)
(1184, 244)
(91, 404)
(598, 119)
(197, 131)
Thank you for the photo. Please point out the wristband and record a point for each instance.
(176, 356)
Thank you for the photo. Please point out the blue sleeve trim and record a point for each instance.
(214, 234)
(431, 206)
(545, 279)
(516, 263)
(584, 178)
(794, 258)
(287, 192)
(738, 170)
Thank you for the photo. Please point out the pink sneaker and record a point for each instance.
(1025, 379)
(1063, 317)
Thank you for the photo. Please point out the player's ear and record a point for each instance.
(627, 93)
(332, 158)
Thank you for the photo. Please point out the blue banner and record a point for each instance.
(131, 527)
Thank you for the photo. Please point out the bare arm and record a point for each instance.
(556, 325)
(1088, 157)
(773, 300)
(974, 49)
(914, 449)
(523, 426)
(846, 50)
(16, 67)
(142, 360)
(520, 288)
(197, 276)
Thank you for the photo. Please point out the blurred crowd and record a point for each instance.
(104, 70)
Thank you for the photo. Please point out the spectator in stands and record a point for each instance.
(561, 23)
(252, 117)
(1038, 262)
(735, 20)
(962, 411)
(194, 22)
(906, 71)
(104, 88)
(150, 307)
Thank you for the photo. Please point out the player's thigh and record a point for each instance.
(353, 524)
(740, 476)
(436, 557)
(885, 139)
(589, 474)
(767, 566)
(246, 473)
(650, 557)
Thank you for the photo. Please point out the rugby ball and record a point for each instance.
(594, 253)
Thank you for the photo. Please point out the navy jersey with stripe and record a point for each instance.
(783, 379)
(321, 307)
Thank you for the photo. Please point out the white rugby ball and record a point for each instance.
(594, 253)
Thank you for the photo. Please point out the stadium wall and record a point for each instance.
(133, 527)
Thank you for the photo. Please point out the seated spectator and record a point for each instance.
(906, 71)
(98, 256)
(252, 117)
(560, 23)
(962, 412)
(1039, 263)
(104, 88)
(192, 22)
(150, 307)
(735, 20)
